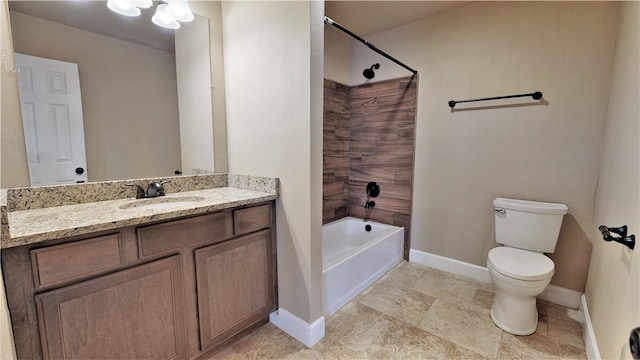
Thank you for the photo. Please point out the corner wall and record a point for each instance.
(547, 151)
(14, 156)
(273, 73)
(613, 286)
(15, 172)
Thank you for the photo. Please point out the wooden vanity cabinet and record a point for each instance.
(234, 286)
(132, 314)
(171, 290)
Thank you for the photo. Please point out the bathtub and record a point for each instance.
(353, 258)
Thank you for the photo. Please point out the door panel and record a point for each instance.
(52, 120)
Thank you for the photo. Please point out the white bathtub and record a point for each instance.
(352, 258)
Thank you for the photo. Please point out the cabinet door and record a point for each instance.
(133, 314)
(235, 286)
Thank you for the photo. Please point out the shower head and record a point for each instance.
(368, 73)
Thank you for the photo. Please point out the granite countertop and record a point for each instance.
(36, 214)
(37, 225)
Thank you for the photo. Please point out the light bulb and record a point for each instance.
(162, 19)
(144, 4)
(123, 7)
(179, 10)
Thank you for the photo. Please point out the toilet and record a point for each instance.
(519, 269)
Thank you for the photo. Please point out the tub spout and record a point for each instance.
(369, 204)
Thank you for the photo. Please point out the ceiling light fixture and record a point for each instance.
(179, 10)
(164, 19)
(123, 7)
(167, 15)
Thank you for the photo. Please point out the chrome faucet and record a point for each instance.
(154, 189)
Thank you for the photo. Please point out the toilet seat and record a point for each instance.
(520, 264)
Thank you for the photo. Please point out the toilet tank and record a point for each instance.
(528, 225)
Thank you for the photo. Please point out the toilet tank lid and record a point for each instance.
(531, 206)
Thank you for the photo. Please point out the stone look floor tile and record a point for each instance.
(565, 330)
(401, 303)
(446, 287)
(327, 349)
(464, 327)
(487, 287)
(350, 323)
(227, 354)
(536, 346)
(563, 325)
(394, 339)
(404, 274)
(391, 338)
(267, 342)
(455, 325)
(482, 301)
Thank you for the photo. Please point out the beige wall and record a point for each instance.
(130, 107)
(613, 287)
(337, 55)
(13, 157)
(273, 74)
(14, 171)
(547, 152)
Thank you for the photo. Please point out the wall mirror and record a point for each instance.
(139, 84)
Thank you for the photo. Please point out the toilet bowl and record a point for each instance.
(519, 269)
(520, 276)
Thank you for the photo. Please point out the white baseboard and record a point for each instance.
(453, 266)
(308, 334)
(561, 296)
(589, 336)
(555, 294)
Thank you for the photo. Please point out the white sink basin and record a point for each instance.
(162, 203)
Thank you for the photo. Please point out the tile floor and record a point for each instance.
(415, 312)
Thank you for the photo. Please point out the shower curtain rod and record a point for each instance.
(329, 21)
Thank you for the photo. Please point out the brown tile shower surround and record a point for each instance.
(369, 132)
(335, 151)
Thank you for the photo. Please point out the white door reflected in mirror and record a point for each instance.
(52, 120)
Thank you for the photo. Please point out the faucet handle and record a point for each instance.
(140, 194)
(160, 187)
(156, 188)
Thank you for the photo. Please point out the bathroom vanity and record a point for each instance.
(170, 279)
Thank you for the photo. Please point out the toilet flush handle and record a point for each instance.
(500, 210)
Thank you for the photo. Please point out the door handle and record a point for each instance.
(79, 171)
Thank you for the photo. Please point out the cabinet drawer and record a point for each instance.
(174, 235)
(251, 219)
(60, 263)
